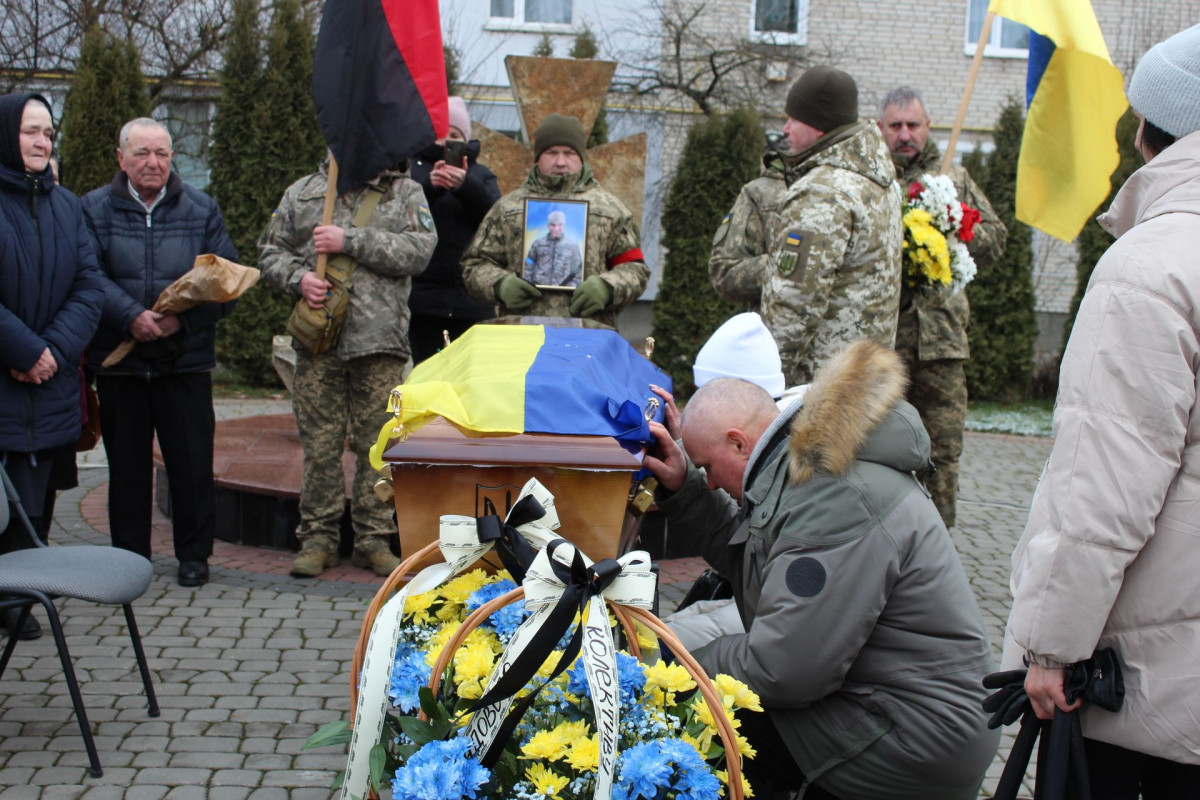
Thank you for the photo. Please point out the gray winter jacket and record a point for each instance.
(863, 638)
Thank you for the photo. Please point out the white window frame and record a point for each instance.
(517, 21)
(993, 49)
(800, 37)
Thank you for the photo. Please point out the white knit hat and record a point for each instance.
(741, 348)
(1165, 88)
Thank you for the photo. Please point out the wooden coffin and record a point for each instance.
(439, 470)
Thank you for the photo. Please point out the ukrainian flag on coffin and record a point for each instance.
(1075, 97)
(506, 379)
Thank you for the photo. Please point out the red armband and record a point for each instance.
(623, 258)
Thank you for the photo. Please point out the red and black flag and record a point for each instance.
(379, 83)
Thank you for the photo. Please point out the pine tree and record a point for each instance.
(1094, 240)
(1003, 324)
(586, 47)
(108, 90)
(287, 145)
(453, 67)
(544, 47)
(236, 129)
(721, 154)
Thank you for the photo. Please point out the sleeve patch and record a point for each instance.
(805, 577)
(793, 253)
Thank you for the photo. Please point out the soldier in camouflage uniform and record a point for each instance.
(343, 391)
(834, 275)
(741, 249)
(614, 271)
(931, 334)
(554, 259)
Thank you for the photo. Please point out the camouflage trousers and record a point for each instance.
(333, 400)
(938, 390)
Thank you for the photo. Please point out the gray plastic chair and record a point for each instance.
(86, 572)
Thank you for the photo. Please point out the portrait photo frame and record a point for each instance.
(555, 245)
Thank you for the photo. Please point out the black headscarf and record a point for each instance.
(12, 108)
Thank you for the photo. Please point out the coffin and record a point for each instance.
(439, 470)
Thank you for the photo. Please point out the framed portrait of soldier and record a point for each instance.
(555, 242)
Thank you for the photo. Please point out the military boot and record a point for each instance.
(316, 554)
(373, 553)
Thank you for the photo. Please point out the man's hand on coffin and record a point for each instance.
(671, 415)
(666, 460)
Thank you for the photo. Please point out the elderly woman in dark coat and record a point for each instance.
(50, 298)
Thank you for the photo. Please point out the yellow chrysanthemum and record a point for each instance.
(549, 664)
(472, 666)
(744, 747)
(735, 694)
(439, 640)
(574, 729)
(417, 606)
(671, 677)
(584, 755)
(545, 781)
(459, 589)
(546, 745)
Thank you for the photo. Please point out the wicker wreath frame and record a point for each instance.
(625, 616)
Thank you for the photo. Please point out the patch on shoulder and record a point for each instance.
(793, 253)
(425, 217)
(805, 577)
(722, 230)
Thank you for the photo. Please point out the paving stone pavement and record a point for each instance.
(250, 665)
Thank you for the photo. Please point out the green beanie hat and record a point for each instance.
(823, 97)
(559, 129)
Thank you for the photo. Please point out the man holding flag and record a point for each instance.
(379, 87)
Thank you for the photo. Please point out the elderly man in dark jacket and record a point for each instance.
(50, 296)
(148, 227)
(862, 637)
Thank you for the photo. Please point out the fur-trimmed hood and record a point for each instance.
(855, 410)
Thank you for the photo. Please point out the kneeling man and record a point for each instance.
(862, 637)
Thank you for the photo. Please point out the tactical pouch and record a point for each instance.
(317, 329)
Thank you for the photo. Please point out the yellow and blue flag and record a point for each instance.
(506, 379)
(1075, 96)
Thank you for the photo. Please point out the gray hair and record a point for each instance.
(732, 401)
(140, 122)
(902, 96)
(556, 218)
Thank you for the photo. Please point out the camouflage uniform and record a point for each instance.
(836, 251)
(343, 392)
(554, 262)
(931, 335)
(613, 247)
(741, 249)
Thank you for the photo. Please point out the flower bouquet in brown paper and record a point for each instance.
(211, 279)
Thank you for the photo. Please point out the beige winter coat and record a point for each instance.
(1111, 553)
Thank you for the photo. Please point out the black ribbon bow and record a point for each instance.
(515, 553)
(582, 583)
(1061, 756)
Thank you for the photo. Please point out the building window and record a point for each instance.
(554, 12)
(1007, 39)
(780, 21)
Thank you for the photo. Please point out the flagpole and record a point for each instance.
(984, 33)
(327, 211)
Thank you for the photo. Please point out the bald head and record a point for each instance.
(722, 423)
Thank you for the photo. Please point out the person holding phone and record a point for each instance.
(459, 191)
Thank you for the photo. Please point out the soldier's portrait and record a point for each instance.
(555, 238)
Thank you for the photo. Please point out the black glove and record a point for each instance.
(1008, 704)
(515, 293)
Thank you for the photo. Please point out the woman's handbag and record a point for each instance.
(89, 410)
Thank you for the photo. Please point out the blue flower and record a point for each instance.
(504, 621)
(666, 764)
(631, 677)
(409, 673)
(440, 771)
(641, 772)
